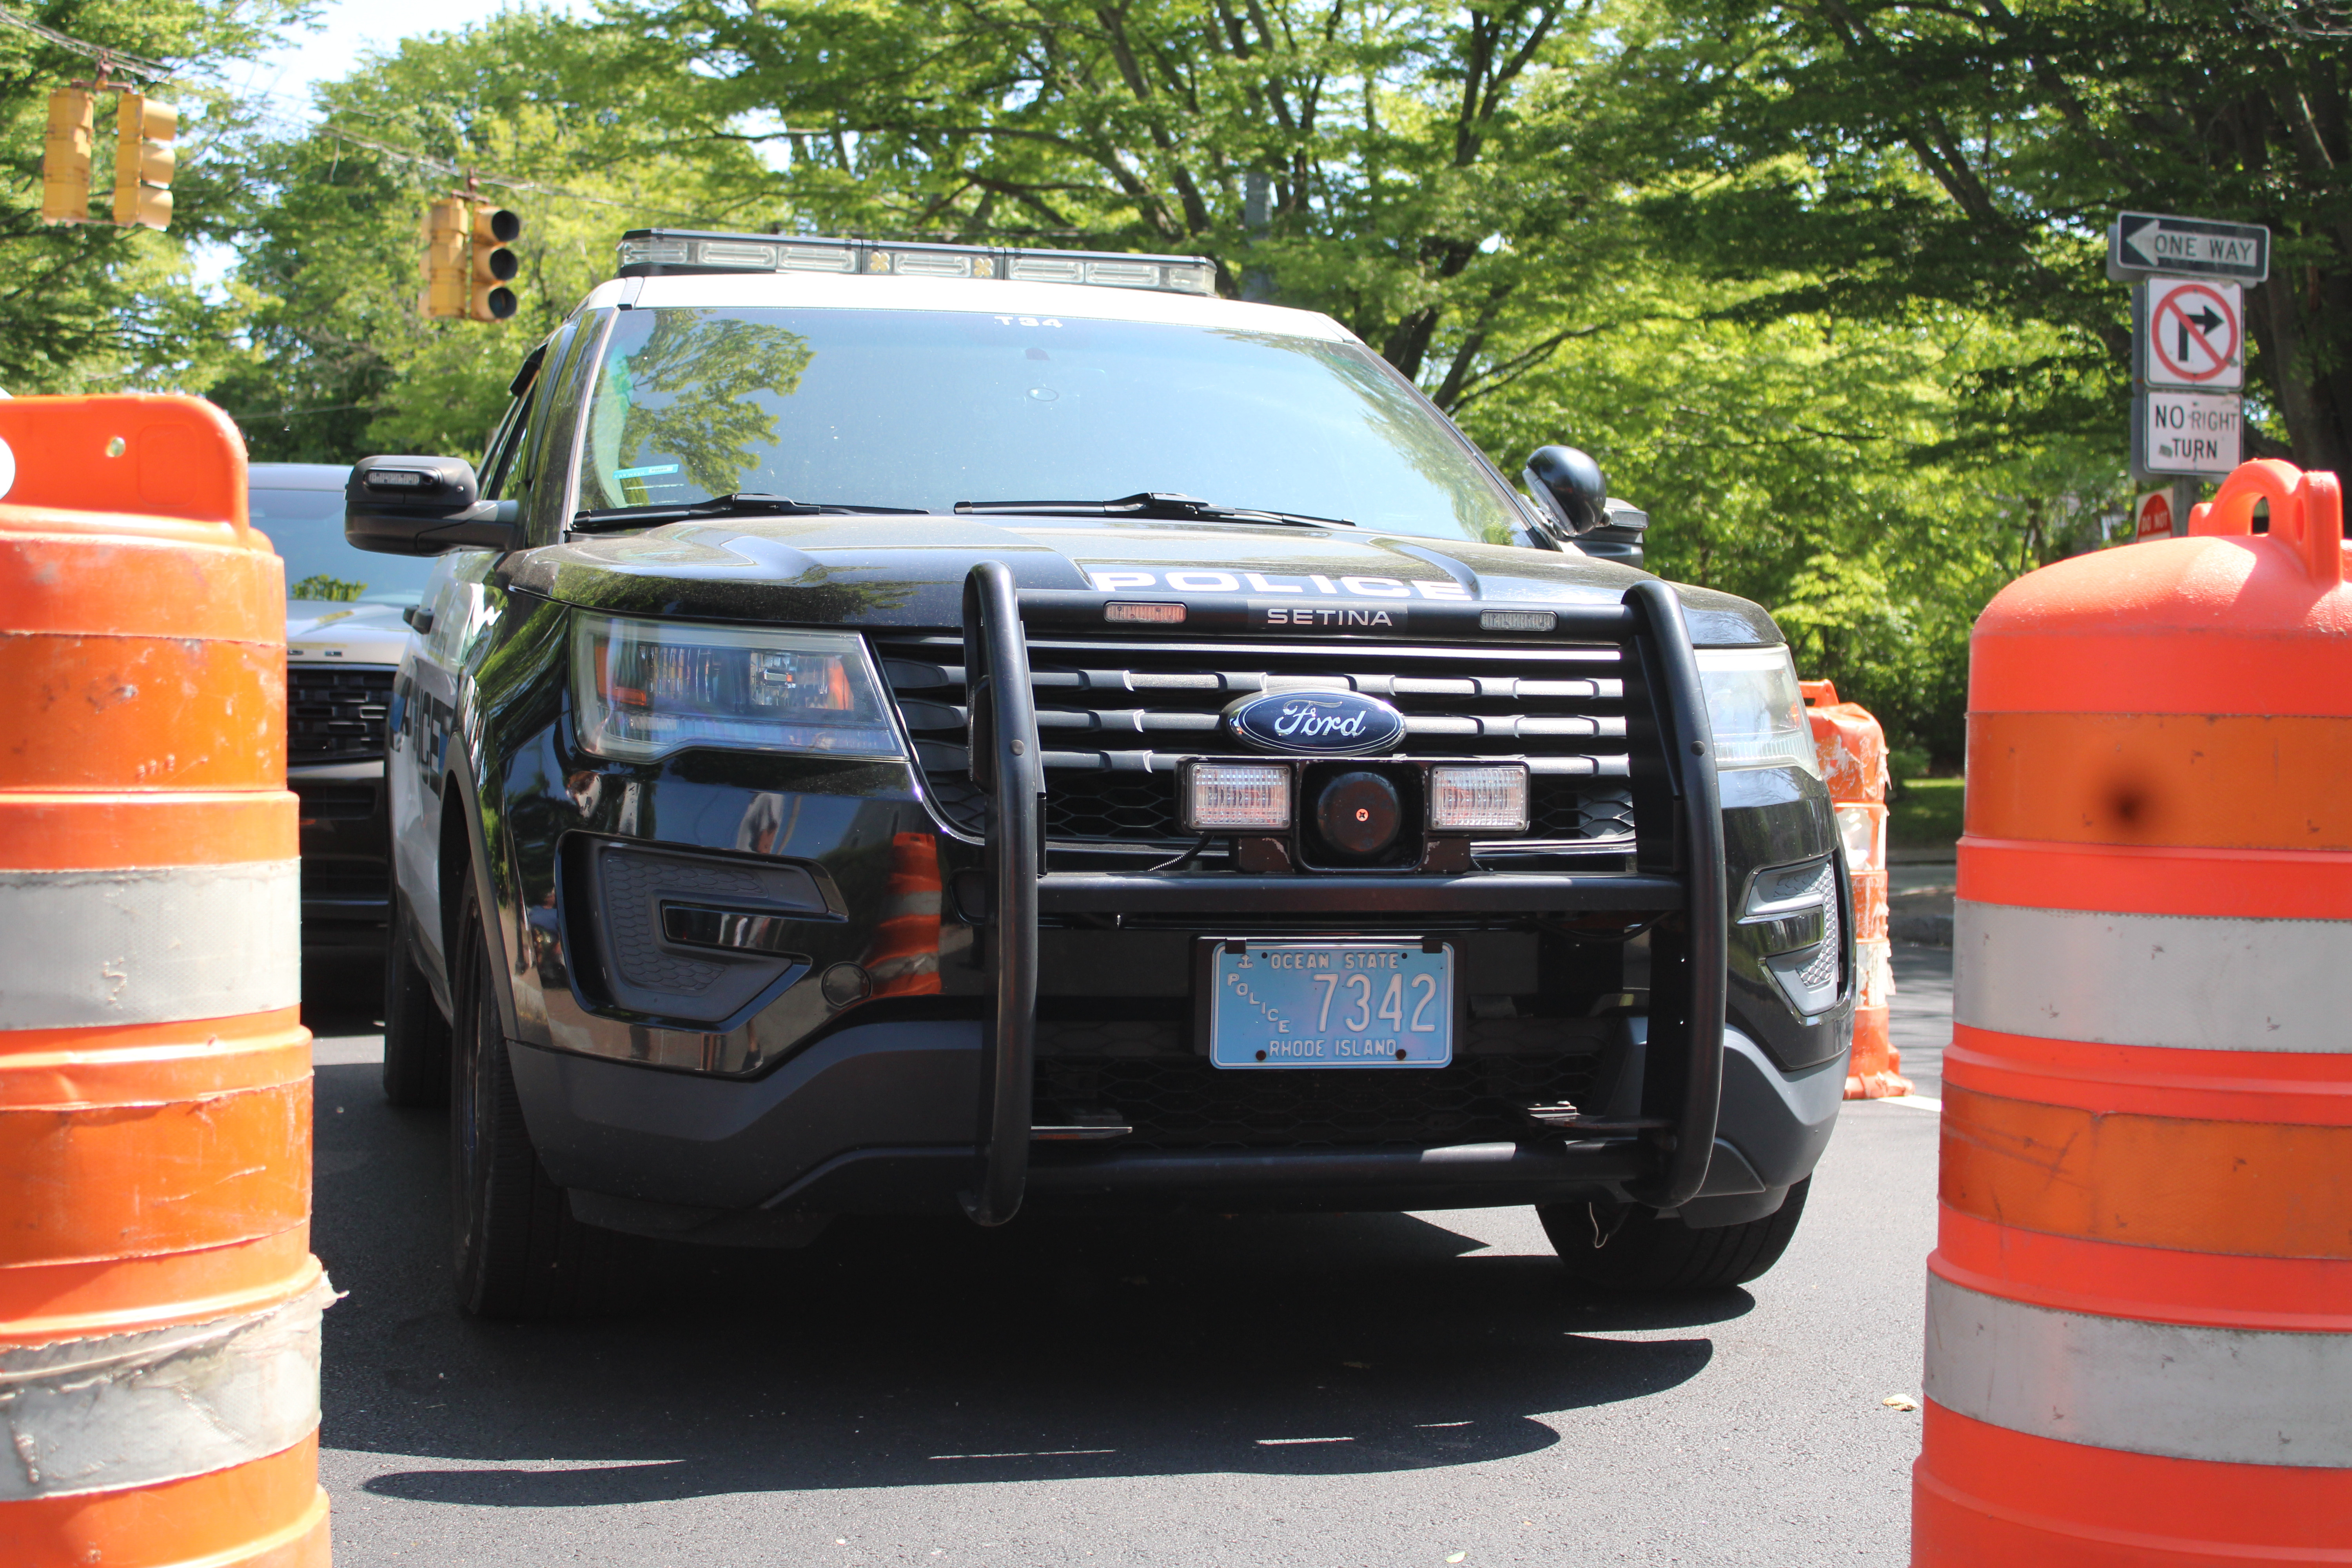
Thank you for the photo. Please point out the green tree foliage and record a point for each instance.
(1431, 177)
(1793, 461)
(1971, 153)
(335, 360)
(91, 306)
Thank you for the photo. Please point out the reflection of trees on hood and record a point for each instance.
(660, 563)
(691, 391)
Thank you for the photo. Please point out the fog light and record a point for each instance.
(1482, 799)
(1224, 796)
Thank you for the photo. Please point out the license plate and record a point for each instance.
(1331, 1005)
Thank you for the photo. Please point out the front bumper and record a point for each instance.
(879, 1119)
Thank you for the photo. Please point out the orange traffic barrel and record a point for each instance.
(159, 1304)
(1852, 745)
(903, 959)
(2139, 1308)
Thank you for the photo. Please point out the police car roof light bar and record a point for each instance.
(666, 252)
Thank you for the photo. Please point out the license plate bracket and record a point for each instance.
(1329, 1002)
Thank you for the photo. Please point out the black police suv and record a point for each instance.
(904, 728)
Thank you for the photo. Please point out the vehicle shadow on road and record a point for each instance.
(909, 1352)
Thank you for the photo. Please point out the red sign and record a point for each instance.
(2156, 515)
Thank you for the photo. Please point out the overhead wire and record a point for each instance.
(112, 59)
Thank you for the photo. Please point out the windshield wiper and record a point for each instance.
(1148, 504)
(741, 503)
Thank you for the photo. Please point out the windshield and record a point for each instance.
(307, 526)
(923, 409)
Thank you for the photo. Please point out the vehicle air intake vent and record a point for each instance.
(334, 712)
(1115, 718)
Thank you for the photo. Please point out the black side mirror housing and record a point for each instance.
(1619, 537)
(424, 506)
(1569, 487)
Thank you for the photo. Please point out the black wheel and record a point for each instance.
(519, 1253)
(1646, 1252)
(416, 1035)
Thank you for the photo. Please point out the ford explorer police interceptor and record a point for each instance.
(911, 728)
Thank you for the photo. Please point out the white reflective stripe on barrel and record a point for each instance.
(131, 1410)
(149, 944)
(2187, 982)
(2240, 1396)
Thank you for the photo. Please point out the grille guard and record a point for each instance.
(1679, 856)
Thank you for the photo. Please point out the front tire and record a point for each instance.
(1651, 1253)
(416, 1035)
(519, 1252)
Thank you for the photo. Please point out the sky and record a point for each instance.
(347, 28)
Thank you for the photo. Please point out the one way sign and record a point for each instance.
(2190, 335)
(2141, 243)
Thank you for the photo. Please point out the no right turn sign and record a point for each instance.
(2191, 335)
(2187, 434)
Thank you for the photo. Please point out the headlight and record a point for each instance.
(644, 689)
(1757, 711)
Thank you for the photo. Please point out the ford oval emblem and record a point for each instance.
(1321, 723)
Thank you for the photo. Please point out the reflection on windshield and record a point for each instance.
(927, 408)
(688, 390)
(306, 526)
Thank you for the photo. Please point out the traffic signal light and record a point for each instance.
(444, 234)
(143, 161)
(494, 266)
(65, 158)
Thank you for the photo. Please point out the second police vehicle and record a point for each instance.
(918, 727)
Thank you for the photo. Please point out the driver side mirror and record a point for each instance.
(424, 506)
(1569, 487)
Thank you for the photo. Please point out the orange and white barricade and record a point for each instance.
(1853, 749)
(159, 1304)
(2139, 1308)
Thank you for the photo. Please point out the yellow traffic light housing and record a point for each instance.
(494, 266)
(65, 157)
(143, 161)
(445, 233)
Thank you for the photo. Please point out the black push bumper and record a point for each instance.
(1659, 1157)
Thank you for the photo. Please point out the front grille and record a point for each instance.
(335, 710)
(1176, 1100)
(333, 801)
(1116, 718)
(345, 879)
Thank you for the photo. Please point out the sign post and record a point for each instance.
(2188, 350)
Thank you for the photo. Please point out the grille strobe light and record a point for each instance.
(1225, 796)
(1481, 799)
(1133, 614)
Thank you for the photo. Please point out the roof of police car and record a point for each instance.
(991, 296)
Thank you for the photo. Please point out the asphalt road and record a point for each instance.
(1403, 1389)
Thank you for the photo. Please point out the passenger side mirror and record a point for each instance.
(424, 506)
(1568, 485)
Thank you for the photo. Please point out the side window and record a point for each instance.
(497, 460)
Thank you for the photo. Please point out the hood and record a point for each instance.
(909, 572)
(322, 630)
